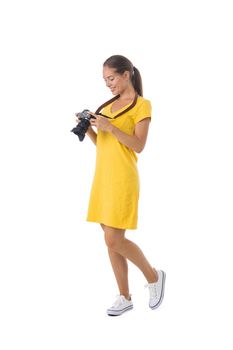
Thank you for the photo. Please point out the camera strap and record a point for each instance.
(112, 100)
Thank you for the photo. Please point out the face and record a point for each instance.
(116, 82)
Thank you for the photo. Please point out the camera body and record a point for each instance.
(81, 128)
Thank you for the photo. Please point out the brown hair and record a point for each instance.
(122, 64)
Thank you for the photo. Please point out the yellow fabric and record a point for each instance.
(115, 188)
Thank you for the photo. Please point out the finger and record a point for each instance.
(93, 114)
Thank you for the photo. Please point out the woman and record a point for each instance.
(122, 130)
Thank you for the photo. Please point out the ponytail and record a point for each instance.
(137, 81)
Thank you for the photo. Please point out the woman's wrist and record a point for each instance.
(90, 129)
(111, 128)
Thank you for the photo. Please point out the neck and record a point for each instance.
(128, 94)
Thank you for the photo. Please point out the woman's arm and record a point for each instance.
(92, 134)
(138, 140)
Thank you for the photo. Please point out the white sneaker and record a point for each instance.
(120, 306)
(156, 290)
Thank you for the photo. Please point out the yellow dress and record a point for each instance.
(115, 188)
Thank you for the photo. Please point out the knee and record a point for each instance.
(113, 241)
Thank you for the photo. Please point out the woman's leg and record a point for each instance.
(120, 269)
(116, 242)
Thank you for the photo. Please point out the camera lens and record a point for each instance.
(81, 129)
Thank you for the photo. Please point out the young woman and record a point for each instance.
(122, 130)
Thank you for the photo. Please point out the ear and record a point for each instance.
(126, 75)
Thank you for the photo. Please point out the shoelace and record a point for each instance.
(152, 290)
(120, 299)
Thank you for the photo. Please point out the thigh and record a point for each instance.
(103, 227)
(112, 230)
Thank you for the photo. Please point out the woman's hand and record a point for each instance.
(77, 119)
(100, 122)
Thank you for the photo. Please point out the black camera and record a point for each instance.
(81, 128)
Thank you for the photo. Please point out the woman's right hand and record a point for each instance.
(77, 119)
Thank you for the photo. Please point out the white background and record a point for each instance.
(56, 280)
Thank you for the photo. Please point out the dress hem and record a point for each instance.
(112, 225)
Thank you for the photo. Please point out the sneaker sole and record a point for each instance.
(120, 312)
(162, 292)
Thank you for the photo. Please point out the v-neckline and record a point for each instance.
(117, 111)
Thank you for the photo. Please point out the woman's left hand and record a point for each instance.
(100, 122)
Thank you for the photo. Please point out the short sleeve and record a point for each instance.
(143, 111)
